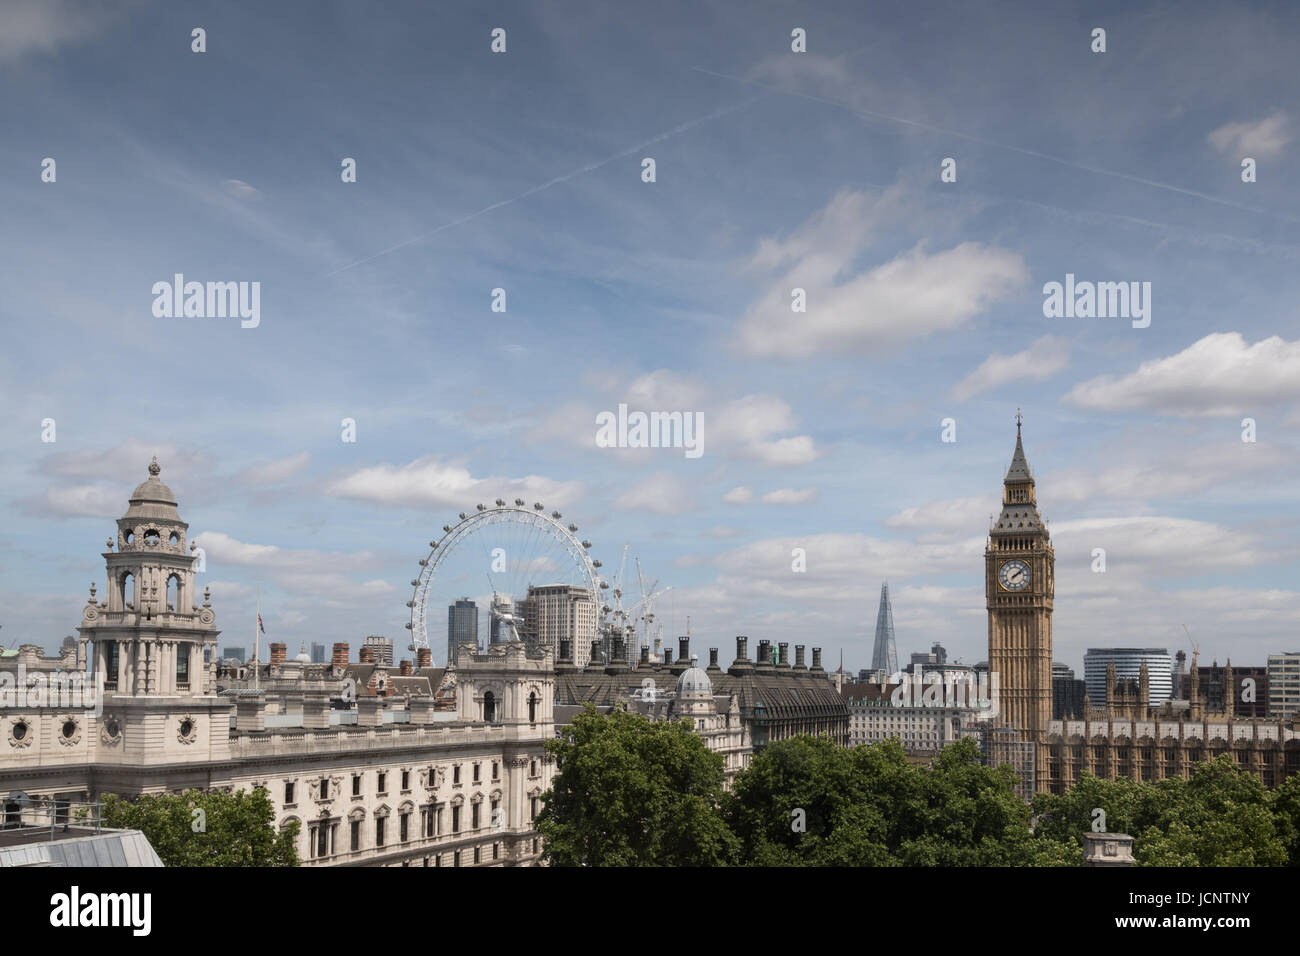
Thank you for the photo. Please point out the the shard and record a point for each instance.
(884, 657)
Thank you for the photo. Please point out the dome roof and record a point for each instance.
(152, 499)
(694, 681)
(303, 657)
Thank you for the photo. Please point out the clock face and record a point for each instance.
(1014, 575)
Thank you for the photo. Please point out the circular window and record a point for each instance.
(112, 727)
(20, 730)
(187, 727)
(69, 729)
(151, 537)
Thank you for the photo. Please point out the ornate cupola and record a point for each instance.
(149, 635)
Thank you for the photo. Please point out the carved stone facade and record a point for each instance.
(410, 778)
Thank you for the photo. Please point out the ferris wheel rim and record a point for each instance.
(483, 516)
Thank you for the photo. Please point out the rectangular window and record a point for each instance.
(532, 804)
(403, 826)
(182, 664)
(455, 773)
(475, 854)
(324, 788)
(428, 821)
(322, 841)
(474, 817)
(356, 785)
(455, 858)
(455, 819)
(496, 847)
(383, 781)
(476, 773)
(496, 770)
(437, 821)
(356, 835)
(406, 780)
(379, 831)
(288, 794)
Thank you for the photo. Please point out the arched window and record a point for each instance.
(128, 591)
(489, 707)
(532, 707)
(173, 592)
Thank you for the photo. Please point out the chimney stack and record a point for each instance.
(366, 655)
(645, 654)
(668, 656)
(405, 669)
(784, 658)
(424, 657)
(277, 653)
(340, 658)
(764, 653)
(713, 658)
(742, 649)
(683, 648)
(798, 657)
(566, 650)
(817, 659)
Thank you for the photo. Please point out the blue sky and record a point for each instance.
(775, 170)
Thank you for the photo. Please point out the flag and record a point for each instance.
(260, 627)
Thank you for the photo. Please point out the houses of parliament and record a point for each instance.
(1122, 736)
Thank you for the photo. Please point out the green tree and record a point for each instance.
(633, 792)
(207, 827)
(1286, 817)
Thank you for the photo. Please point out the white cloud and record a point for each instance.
(1043, 359)
(1218, 375)
(240, 189)
(750, 426)
(738, 496)
(1258, 139)
(915, 294)
(45, 25)
(94, 501)
(429, 482)
(789, 496)
(662, 494)
(959, 515)
(274, 472)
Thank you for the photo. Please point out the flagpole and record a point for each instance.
(257, 643)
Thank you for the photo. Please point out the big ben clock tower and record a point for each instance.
(1018, 585)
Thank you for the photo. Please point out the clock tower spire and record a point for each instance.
(1019, 584)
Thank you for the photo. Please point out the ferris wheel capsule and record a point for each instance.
(501, 503)
(463, 516)
(538, 506)
(519, 502)
(480, 507)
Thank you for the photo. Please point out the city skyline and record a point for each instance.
(823, 431)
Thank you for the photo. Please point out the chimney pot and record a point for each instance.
(340, 658)
(277, 653)
(784, 655)
(366, 655)
(424, 657)
(405, 669)
(668, 655)
(742, 648)
(683, 648)
(713, 657)
(645, 654)
(798, 656)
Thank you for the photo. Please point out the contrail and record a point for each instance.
(590, 167)
(1015, 149)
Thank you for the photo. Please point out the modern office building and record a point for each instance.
(1068, 693)
(234, 653)
(380, 649)
(884, 653)
(1284, 684)
(1128, 663)
(317, 652)
(462, 626)
(559, 613)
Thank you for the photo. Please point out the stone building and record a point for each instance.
(768, 700)
(375, 767)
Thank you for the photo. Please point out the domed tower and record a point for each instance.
(694, 692)
(148, 636)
